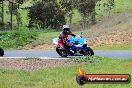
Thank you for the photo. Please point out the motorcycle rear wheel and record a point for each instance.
(1, 52)
(61, 52)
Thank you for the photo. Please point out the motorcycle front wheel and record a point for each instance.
(89, 52)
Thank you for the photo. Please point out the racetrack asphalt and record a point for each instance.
(123, 54)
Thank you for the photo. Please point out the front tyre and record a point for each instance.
(1, 52)
(89, 52)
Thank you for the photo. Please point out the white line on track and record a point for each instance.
(32, 57)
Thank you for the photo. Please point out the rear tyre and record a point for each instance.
(58, 51)
(1, 52)
(61, 52)
(64, 54)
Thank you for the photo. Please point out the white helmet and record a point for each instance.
(66, 26)
(66, 29)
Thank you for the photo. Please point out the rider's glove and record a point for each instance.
(77, 36)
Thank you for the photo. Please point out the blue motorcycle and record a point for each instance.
(79, 47)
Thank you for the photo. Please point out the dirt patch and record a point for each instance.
(39, 47)
(114, 37)
(45, 46)
(113, 29)
(35, 64)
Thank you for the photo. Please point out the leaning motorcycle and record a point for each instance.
(79, 47)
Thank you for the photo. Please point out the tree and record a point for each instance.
(2, 13)
(110, 4)
(16, 11)
(13, 10)
(67, 6)
(47, 14)
(87, 10)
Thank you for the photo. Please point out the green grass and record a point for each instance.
(64, 77)
(114, 47)
(45, 38)
(123, 5)
(120, 6)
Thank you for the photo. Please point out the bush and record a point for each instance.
(14, 39)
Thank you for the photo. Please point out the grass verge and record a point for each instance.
(114, 47)
(64, 77)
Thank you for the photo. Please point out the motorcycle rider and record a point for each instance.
(63, 38)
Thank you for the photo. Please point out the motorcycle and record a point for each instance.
(1, 52)
(79, 47)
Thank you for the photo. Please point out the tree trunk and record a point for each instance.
(93, 17)
(2, 15)
(11, 13)
(10, 7)
(70, 16)
(18, 18)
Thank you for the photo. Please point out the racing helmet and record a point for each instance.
(66, 29)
